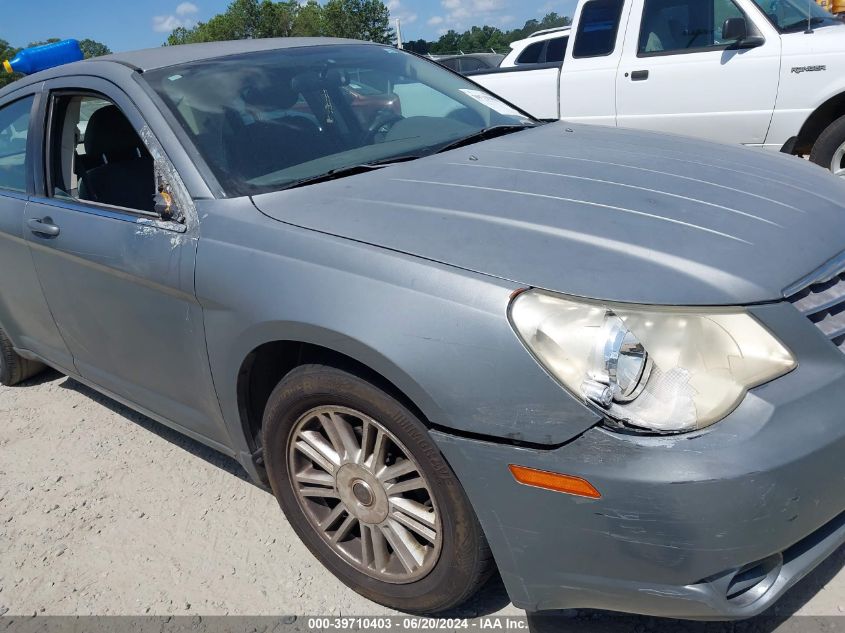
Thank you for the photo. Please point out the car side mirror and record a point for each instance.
(737, 29)
(752, 41)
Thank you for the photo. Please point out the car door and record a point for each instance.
(118, 275)
(683, 73)
(24, 314)
(587, 90)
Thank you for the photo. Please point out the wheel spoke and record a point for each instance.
(327, 493)
(376, 461)
(332, 517)
(344, 528)
(341, 435)
(417, 511)
(405, 486)
(318, 450)
(367, 432)
(373, 548)
(403, 545)
(405, 467)
(415, 526)
(315, 477)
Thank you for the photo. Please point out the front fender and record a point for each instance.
(438, 333)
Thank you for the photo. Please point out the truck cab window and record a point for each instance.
(14, 124)
(678, 26)
(597, 28)
(532, 54)
(96, 155)
(556, 50)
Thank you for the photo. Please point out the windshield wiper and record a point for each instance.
(802, 24)
(352, 170)
(483, 135)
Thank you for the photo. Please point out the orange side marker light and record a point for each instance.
(566, 484)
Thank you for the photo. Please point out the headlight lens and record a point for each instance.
(667, 370)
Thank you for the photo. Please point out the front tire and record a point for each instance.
(13, 368)
(370, 495)
(829, 149)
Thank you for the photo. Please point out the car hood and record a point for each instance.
(595, 212)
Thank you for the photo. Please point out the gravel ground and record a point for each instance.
(105, 512)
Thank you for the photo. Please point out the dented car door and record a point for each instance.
(118, 276)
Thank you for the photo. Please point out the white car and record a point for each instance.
(763, 73)
(542, 47)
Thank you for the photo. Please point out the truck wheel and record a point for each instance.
(829, 150)
(13, 368)
(370, 495)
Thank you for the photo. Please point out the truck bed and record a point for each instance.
(535, 88)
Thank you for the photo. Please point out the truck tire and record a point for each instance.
(13, 368)
(368, 492)
(829, 149)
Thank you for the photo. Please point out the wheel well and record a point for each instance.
(818, 121)
(267, 365)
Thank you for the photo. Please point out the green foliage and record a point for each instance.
(308, 20)
(485, 38)
(359, 19)
(90, 48)
(246, 19)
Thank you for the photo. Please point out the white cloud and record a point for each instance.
(435, 20)
(564, 7)
(187, 8)
(180, 18)
(398, 12)
(460, 14)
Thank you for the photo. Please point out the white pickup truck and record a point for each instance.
(763, 73)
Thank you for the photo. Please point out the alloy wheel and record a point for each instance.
(364, 494)
(837, 164)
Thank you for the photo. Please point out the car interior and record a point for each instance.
(677, 25)
(97, 156)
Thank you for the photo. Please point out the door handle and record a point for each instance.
(44, 227)
(639, 75)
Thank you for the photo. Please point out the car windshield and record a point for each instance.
(267, 121)
(795, 15)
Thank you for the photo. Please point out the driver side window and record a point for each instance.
(97, 156)
(682, 26)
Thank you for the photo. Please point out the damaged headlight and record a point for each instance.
(668, 370)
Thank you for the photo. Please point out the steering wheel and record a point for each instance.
(381, 125)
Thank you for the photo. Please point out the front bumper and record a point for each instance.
(712, 525)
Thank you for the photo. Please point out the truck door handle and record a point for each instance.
(639, 75)
(44, 227)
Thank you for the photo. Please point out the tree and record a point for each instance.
(247, 19)
(92, 48)
(308, 20)
(359, 19)
(484, 38)
(7, 52)
(418, 46)
(276, 19)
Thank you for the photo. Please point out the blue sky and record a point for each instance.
(130, 24)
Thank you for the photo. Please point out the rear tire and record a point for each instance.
(829, 149)
(13, 368)
(348, 418)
